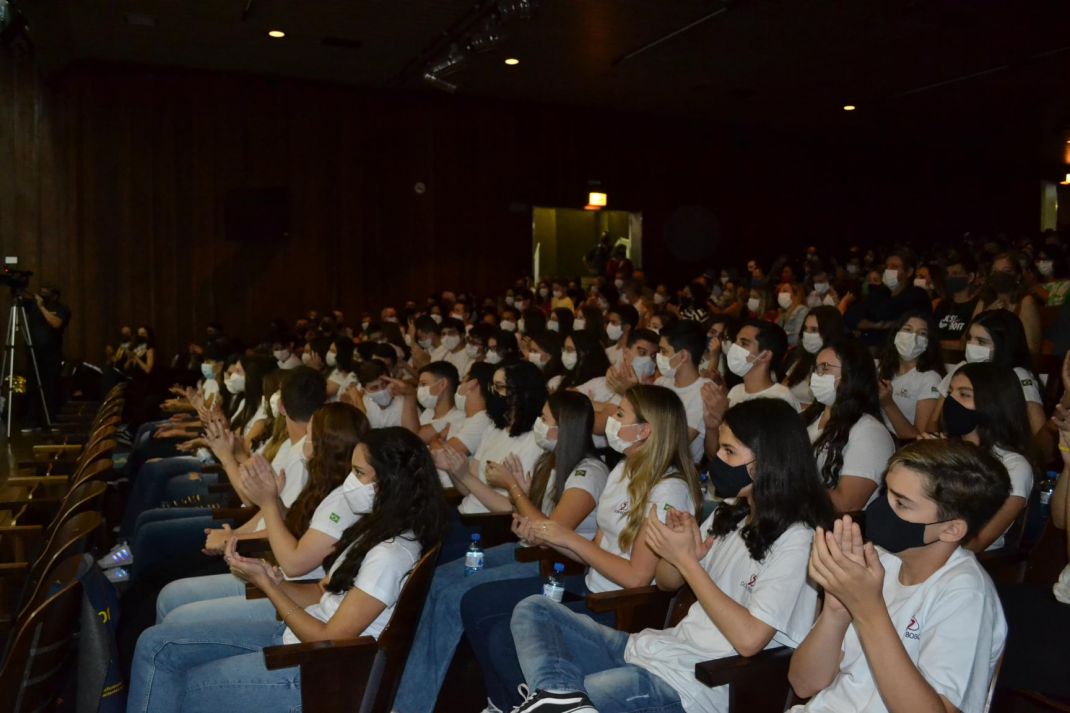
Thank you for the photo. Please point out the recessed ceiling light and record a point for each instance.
(512, 61)
(849, 107)
(277, 34)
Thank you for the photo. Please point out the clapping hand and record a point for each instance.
(259, 482)
(848, 569)
(678, 539)
(254, 571)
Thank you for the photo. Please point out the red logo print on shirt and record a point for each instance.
(749, 584)
(913, 630)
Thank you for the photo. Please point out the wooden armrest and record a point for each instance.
(57, 448)
(636, 609)
(45, 480)
(353, 652)
(18, 530)
(253, 548)
(238, 515)
(13, 567)
(453, 496)
(759, 668)
(495, 528)
(547, 557)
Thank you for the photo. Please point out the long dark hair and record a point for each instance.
(408, 497)
(564, 321)
(591, 359)
(1001, 408)
(575, 421)
(787, 488)
(594, 322)
(336, 430)
(830, 326)
(930, 358)
(550, 342)
(256, 367)
(343, 358)
(856, 395)
(1009, 347)
(519, 408)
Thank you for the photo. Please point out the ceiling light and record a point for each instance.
(849, 107)
(513, 61)
(487, 38)
(437, 83)
(448, 64)
(596, 199)
(516, 9)
(276, 34)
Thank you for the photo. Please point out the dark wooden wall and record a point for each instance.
(111, 180)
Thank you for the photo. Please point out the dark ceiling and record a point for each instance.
(911, 66)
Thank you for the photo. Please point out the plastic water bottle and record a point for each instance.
(704, 485)
(553, 587)
(473, 559)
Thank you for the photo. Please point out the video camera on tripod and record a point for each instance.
(17, 326)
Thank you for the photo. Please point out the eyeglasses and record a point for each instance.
(824, 368)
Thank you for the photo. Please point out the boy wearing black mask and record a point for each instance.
(956, 309)
(911, 621)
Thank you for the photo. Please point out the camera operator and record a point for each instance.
(48, 319)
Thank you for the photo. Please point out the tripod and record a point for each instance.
(17, 324)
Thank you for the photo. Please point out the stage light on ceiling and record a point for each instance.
(516, 9)
(849, 107)
(276, 34)
(487, 38)
(513, 61)
(595, 201)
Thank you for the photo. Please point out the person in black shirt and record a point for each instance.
(892, 299)
(955, 310)
(48, 319)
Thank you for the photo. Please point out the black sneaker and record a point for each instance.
(546, 702)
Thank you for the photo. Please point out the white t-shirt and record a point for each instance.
(910, 388)
(289, 459)
(598, 392)
(1021, 472)
(383, 417)
(344, 381)
(801, 392)
(691, 397)
(454, 418)
(589, 475)
(261, 414)
(495, 446)
(1030, 384)
(381, 576)
(612, 515)
(292, 362)
(869, 448)
(472, 430)
(738, 394)
(332, 517)
(952, 628)
(459, 359)
(439, 354)
(774, 591)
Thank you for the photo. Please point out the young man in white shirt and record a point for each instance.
(755, 356)
(427, 345)
(435, 390)
(380, 403)
(911, 621)
(679, 352)
(453, 335)
(621, 321)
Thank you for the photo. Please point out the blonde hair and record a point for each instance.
(665, 454)
(278, 437)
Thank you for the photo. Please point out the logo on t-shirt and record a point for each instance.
(622, 507)
(913, 630)
(749, 584)
(335, 518)
(580, 472)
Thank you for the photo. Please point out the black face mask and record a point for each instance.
(498, 409)
(886, 529)
(957, 284)
(728, 480)
(958, 420)
(142, 340)
(1003, 282)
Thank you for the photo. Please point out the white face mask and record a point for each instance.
(208, 370)
(739, 360)
(753, 304)
(553, 326)
(425, 344)
(812, 342)
(659, 299)
(643, 366)
(382, 397)
(579, 324)
(451, 341)
(472, 351)
(493, 357)
(507, 325)
(520, 325)
(978, 352)
(783, 299)
(425, 398)
(614, 331)
(665, 366)
(558, 294)
(536, 359)
(618, 283)
(617, 443)
(235, 383)
(332, 359)
(281, 355)
(509, 299)
(921, 282)
(909, 345)
(306, 358)
(1045, 267)
(823, 387)
(360, 497)
(542, 432)
(890, 279)
(821, 287)
(273, 404)
(437, 318)
(569, 359)
(459, 399)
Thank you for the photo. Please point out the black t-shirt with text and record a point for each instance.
(952, 318)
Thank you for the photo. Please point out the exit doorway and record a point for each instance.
(562, 237)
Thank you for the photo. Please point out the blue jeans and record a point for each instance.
(440, 626)
(184, 486)
(168, 532)
(145, 447)
(485, 614)
(210, 667)
(149, 487)
(214, 597)
(561, 650)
